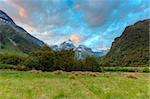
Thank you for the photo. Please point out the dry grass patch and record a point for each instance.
(131, 76)
(92, 74)
(35, 71)
(58, 72)
(76, 73)
(72, 76)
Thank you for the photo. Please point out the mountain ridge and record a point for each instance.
(81, 51)
(132, 47)
(15, 37)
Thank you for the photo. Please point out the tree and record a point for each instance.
(91, 63)
(45, 57)
(64, 59)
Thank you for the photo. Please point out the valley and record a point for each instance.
(74, 49)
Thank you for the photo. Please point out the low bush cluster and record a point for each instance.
(11, 59)
(7, 66)
(146, 69)
(127, 69)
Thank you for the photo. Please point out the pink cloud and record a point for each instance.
(20, 5)
(76, 38)
(22, 12)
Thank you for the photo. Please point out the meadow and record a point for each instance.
(73, 85)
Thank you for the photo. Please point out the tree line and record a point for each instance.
(46, 59)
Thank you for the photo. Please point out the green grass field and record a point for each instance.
(46, 85)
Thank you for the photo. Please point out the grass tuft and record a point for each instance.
(58, 72)
(131, 76)
(72, 77)
(35, 71)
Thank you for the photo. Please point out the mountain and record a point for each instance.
(132, 47)
(81, 51)
(14, 37)
(55, 47)
(67, 45)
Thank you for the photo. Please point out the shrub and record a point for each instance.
(121, 69)
(11, 59)
(6, 66)
(32, 63)
(91, 64)
(146, 69)
(44, 60)
(21, 68)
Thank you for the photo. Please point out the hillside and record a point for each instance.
(14, 37)
(132, 47)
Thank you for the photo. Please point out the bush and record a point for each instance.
(6, 66)
(43, 60)
(146, 69)
(11, 59)
(127, 69)
(120, 69)
(32, 63)
(21, 68)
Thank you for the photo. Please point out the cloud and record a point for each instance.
(39, 13)
(76, 38)
(19, 6)
(45, 35)
(99, 12)
(96, 11)
(22, 12)
(89, 22)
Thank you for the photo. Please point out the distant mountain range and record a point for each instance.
(81, 51)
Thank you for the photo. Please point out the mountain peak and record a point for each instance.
(66, 45)
(68, 42)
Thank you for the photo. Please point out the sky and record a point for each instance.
(94, 23)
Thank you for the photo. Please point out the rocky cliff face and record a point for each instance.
(132, 47)
(15, 37)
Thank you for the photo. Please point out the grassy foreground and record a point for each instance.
(46, 85)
